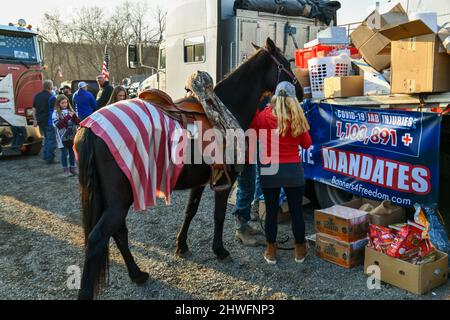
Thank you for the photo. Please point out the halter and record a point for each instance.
(282, 68)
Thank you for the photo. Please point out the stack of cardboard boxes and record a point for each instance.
(341, 235)
(410, 45)
(342, 229)
(411, 49)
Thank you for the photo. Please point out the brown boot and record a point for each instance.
(300, 252)
(247, 238)
(270, 254)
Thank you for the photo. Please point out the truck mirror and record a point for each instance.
(133, 56)
(41, 49)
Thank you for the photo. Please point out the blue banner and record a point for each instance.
(378, 154)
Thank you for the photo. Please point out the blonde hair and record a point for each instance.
(60, 98)
(288, 109)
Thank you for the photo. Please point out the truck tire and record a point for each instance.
(328, 196)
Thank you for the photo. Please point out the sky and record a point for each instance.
(32, 11)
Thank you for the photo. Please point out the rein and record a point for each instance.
(282, 68)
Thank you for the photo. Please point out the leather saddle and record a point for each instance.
(165, 102)
(185, 110)
(188, 112)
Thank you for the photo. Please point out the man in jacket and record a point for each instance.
(43, 105)
(83, 101)
(104, 93)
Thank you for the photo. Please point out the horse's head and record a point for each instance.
(278, 68)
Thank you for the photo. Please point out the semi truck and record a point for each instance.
(21, 75)
(209, 35)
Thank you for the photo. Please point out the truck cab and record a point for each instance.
(21, 76)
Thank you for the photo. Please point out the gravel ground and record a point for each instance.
(41, 237)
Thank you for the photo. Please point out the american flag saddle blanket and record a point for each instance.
(143, 141)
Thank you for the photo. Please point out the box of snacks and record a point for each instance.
(406, 257)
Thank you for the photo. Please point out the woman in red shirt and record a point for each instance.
(285, 119)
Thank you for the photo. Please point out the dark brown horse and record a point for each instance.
(106, 194)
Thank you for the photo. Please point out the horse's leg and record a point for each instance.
(106, 197)
(121, 239)
(95, 265)
(189, 213)
(220, 208)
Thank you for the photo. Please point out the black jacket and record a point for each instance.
(103, 95)
(40, 103)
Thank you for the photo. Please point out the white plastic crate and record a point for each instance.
(321, 68)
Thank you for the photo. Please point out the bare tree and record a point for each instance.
(159, 16)
(77, 43)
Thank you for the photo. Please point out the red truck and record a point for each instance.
(21, 76)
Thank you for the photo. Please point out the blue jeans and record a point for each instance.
(249, 189)
(49, 143)
(67, 152)
(245, 192)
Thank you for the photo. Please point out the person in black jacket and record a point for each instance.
(104, 93)
(42, 109)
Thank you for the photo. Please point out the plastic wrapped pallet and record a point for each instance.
(323, 10)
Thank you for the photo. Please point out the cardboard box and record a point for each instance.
(302, 76)
(406, 30)
(342, 87)
(372, 44)
(344, 223)
(420, 66)
(417, 279)
(397, 216)
(347, 255)
(374, 82)
(390, 14)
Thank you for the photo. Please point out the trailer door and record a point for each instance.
(249, 32)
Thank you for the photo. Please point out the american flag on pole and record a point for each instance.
(60, 72)
(144, 142)
(105, 67)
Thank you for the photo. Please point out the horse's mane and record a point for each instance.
(245, 68)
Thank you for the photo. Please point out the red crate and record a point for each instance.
(303, 55)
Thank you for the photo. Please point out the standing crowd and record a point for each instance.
(59, 115)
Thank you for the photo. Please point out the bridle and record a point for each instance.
(282, 68)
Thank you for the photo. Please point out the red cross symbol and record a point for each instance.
(407, 139)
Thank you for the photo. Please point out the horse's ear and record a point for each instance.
(270, 45)
(256, 47)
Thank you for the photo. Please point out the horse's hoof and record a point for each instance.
(227, 259)
(141, 279)
(183, 254)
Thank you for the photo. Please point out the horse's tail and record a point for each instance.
(91, 197)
